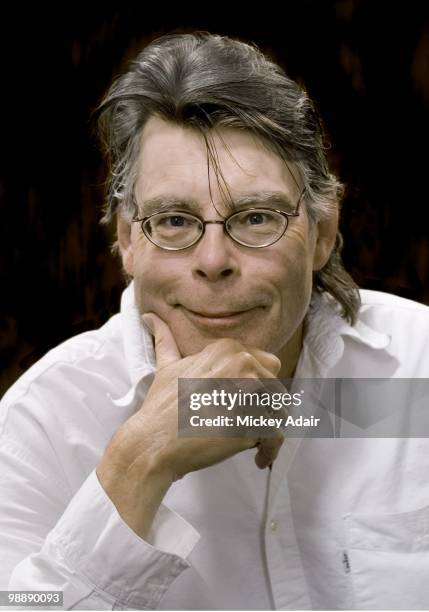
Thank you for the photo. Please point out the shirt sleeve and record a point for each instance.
(80, 545)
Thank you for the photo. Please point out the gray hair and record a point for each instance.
(206, 82)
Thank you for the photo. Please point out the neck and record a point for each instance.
(290, 353)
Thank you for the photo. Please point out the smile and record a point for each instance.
(218, 319)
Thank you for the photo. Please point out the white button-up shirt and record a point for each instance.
(336, 524)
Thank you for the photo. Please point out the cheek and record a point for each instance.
(296, 267)
(149, 278)
(155, 275)
(295, 288)
(295, 279)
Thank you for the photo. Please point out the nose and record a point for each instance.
(215, 256)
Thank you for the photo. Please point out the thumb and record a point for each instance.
(166, 350)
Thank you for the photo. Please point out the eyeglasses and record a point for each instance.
(253, 227)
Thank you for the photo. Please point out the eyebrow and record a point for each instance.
(269, 199)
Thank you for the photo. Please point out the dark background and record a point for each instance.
(365, 62)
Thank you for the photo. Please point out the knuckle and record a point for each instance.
(275, 361)
(247, 360)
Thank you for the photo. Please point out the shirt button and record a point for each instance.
(273, 525)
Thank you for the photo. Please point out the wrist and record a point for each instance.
(136, 490)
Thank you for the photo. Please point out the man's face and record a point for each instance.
(217, 288)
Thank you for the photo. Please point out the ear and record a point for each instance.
(125, 244)
(326, 232)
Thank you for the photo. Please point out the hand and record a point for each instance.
(146, 455)
(224, 358)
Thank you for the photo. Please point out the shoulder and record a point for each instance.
(405, 323)
(378, 299)
(88, 355)
(391, 312)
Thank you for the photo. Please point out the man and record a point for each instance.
(227, 223)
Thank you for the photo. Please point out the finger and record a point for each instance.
(221, 351)
(268, 450)
(166, 350)
(267, 360)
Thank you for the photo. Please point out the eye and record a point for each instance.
(168, 221)
(252, 218)
(255, 218)
(256, 221)
(172, 222)
(175, 220)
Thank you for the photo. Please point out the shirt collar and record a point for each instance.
(138, 350)
(324, 333)
(138, 345)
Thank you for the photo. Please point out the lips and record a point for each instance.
(220, 320)
(218, 315)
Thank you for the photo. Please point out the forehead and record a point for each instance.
(173, 163)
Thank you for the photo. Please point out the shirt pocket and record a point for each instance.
(387, 560)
